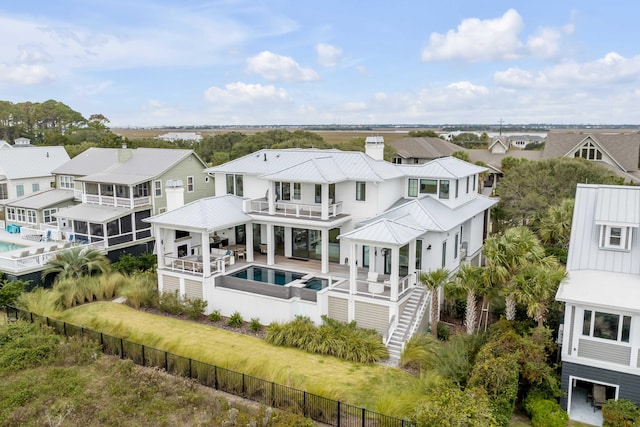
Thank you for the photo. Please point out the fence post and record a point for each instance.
(47, 321)
(304, 403)
(64, 328)
(166, 361)
(273, 394)
(338, 414)
(190, 374)
(30, 315)
(363, 418)
(101, 341)
(121, 348)
(215, 376)
(244, 388)
(143, 361)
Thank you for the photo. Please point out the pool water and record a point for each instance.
(279, 277)
(267, 275)
(8, 246)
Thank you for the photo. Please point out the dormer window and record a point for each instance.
(588, 151)
(615, 237)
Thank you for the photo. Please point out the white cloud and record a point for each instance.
(239, 92)
(25, 75)
(477, 40)
(467, 89)
(328, 55)
(275, 67)
(612, 69)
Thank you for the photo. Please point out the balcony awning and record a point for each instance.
(616, 291)
(384, 232)
(93, 213)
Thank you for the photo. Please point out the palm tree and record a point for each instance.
(433, 280)
(469, 283)
(506, 256)
(537, 286)
(76, 262)
(554, 227)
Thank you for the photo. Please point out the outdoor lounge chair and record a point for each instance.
(599, 396)
(20, 255)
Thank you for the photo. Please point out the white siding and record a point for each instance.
(338, 309)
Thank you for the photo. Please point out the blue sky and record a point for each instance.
(235, 62)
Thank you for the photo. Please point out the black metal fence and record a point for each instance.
(318, 408)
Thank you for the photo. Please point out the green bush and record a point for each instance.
(334, 338)
(24, 345)
(443, 331)
(235, 320)
(419, 352)
(171, 302)
(129, 264)
(255, 325)
(215, 316)
(141, 291)
(194, 308)
(620, 413)
(545, 413)
(10, 291)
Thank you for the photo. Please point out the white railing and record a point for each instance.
(120, 202)
(77, 194)
(16, 262)
(34, 234)
(421, 309)
(392, 326)
(186, 265)
(298, 210)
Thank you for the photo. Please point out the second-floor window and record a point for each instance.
(467, 185)
(35, 187)
(157, 188)
(235, 185)
(361, 191)
(297, 191)
(66, 181)
(4, 193)
(606, 325)
(190, 184)
(428, 186)
(444, 189)
(48, 215)
(612, 237)
(19, 190)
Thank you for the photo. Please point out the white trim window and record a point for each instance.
(615, 237)
(21, 215)
(48, 215)
(11, 214)
(608, 326)
(190, 184)
(67, 181)
(32, 218)
(361, 191)
(19, 190)
(157, 188)
(35, 187)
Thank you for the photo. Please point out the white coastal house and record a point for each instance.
(601, 333)
(324, 232)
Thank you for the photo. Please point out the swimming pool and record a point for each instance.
(8, 246)
(279, 277)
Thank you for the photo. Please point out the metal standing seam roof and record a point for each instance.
(41, 199)
(145, 163)
(211, 213)
(616, 205)
(424, 147)
(320, 170)
(93, 213)
(34, 162)
(384, 231)
(354, 165)
(585, 287)
(445, 167)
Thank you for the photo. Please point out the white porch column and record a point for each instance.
(271, 259)
(271, 198)
(325, 201)
(395, 272)
(248, 232)
(324, 263)
(353, 269)
(372, 258)
(206, 254)
(412, 262)
(158, 232)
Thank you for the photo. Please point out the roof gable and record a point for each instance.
(32, 162)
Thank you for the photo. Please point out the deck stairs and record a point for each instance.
(409, 320)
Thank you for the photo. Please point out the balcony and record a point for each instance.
(294, 210)
(119, 202)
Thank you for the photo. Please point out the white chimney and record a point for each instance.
(374, 147)
(175, 194)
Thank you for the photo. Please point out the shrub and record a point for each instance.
(140, 291)
(171, 302)
(129, 264)
(10, 291)
(456, 357)
(545, 412)
(235, 320)
(255, 325)
(194, 308)
(419, 352)
(333, 338)
(443, 331)
(24, 345)
(215, 316)
(620, 413)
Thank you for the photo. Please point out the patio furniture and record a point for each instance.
(20, 254)
(242, 254)
(599, 396)
(263, 248)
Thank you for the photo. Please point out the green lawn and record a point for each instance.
(378, 388)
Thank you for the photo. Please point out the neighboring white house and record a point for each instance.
(180, 136)
(601, 333)
(368, 226)
(23, 172)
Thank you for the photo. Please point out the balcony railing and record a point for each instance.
(29, 260)
(119, 202)
(297, 210)
(192, 266)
